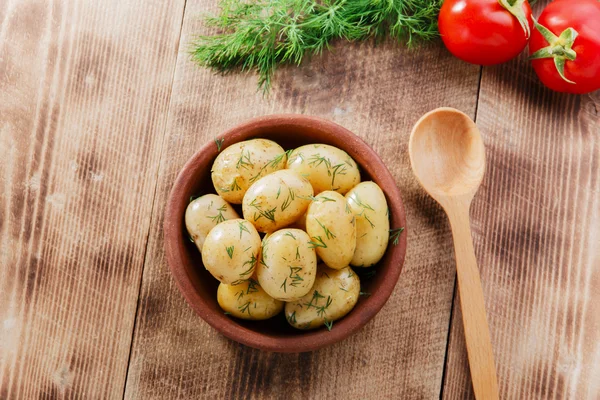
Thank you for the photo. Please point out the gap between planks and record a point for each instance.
(153, 208)
(454, 293)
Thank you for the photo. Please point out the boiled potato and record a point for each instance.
(333, 295)
(247, 300)
(203, 214)
(276, 200)
(231, 251)
(331, 227)
(288, 264)
(241, 164)
(367, 203)
(326, 167)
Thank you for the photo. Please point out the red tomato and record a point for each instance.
(485, 32)
(565, 47)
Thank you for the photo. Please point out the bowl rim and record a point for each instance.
(308, 340)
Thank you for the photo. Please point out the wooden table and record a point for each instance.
(99, 109)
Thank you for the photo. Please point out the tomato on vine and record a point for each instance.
(565, 46)
(485, 32)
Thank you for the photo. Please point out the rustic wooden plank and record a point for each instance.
(536, 231)
(84, 90)
(378, 92)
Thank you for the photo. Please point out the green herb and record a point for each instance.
(243, 229)
(191, 239)
(252, 286)
(354, 197)
(339, 169)
(251, 262)
(292, 318)
(328, 233)
(316, 159)
(217, 219)
(271, 164)
(288, 201)
(268, 214)
(193, 197)
(395, 235)
(244, 161)
(323, 199)
(227, 313)
(295, 278)
(328, 324)
(245, 308)
(290, 234)
(297, 252)
(320, 309)
(260, 35)
(233, 188)
(311, 198)
(230, 251)
(315, 298)
(361, 293)
(219, 143)
(296, 156)
(317, 242)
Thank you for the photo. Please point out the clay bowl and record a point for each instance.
(199, 287)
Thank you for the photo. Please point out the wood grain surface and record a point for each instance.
(100, 107)
(84, 89)
(536, 227)
(377, 92)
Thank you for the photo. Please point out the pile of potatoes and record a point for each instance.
(310, 205)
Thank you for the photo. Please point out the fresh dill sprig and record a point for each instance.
(260, 212)
(230, 251)
(217, 219)
(219, 143)
(317, 242)
(260, 35)
(395, 235)
(328, 233)
(243, 229)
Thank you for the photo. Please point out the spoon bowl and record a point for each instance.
(451, 156)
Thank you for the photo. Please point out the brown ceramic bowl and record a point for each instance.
(200, 288)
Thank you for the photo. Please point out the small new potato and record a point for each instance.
(203, 214)
(331, 226)
(241, 164)
(326, 167)
(247, 300)
(334, 294)
(231, 251)
(288, 264)
(369, 206)
(276, 200)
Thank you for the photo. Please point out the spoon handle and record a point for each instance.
(477, 334)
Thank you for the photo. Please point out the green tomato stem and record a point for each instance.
(559, 48)
(515, 7)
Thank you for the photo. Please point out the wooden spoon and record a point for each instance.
(448, 158)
